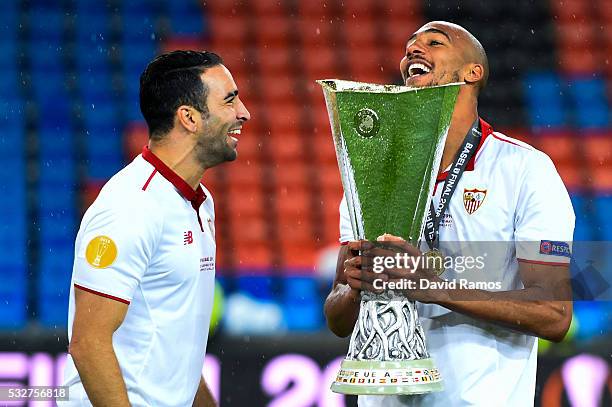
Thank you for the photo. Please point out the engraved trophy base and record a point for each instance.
(387, 377)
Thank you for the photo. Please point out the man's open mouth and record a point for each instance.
(417, 68)
(231, 133)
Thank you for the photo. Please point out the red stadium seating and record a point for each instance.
(289, 132)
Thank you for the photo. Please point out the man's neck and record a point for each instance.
(464, 115)
(178, 158)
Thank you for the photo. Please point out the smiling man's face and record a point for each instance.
(226, 114)
(435, 55)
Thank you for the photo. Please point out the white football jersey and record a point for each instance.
(148, 241)
(510, 193)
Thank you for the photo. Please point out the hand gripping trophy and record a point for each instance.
(389, 142)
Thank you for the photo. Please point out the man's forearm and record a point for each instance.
(204, 397)
(100, 374)
(513, 309)
(342, 309)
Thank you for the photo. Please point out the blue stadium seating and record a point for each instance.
(186, 17)
(603, 207)
(95, 86)
(8, 50)
(584, 220)
(91, 58)
(545, 103)
(92, 7)
(589, 102)
(13, 233)
(13, 310)
(46, 23)
(9, 85)
(53, 308)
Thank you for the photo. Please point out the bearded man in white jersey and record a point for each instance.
(143, 277)
(483, 342)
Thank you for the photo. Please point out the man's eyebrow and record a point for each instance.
(231, 95)
(431, 30)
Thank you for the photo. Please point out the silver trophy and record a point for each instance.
(389, 142)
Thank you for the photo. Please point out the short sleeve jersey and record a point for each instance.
(148, 241)
(510, 193)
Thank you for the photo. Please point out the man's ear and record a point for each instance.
(186, 117)
(474, 74)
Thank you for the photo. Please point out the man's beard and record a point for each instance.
(211, 152)
(443, 81)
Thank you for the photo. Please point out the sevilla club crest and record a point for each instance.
(473, 198)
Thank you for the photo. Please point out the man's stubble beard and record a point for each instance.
(214, 151)
(454, 79)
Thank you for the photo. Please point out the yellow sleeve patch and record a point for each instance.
(101, 252)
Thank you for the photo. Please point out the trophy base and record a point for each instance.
(364, 377)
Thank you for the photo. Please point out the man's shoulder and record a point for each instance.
(509, 144)
(516, 150)
(126, 191)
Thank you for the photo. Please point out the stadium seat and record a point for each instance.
(245, 200)
(273, 31)
(52, 308)
(95, 82)
(275, 60)
(253, 257)
(186, 17)
(583, 209)
(287, 147)
(578, 61)
(230, 30)
(603, 208)
(544, 92)
(589, 99)
(13, 311)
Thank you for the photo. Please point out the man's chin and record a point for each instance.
(231, 155)
(419, 82)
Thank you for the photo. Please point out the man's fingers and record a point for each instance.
(389, 238)
(362, 275)
(353, 262)
(359, 245)
(398, 273)
(362, 285)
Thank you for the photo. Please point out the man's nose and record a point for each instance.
(242, 113)
(414, 48)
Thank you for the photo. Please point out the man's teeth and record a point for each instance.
(417, 69)
(237, 131)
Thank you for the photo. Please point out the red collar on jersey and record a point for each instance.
(487, 130)
(196, 197)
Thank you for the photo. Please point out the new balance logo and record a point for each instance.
(187, 238)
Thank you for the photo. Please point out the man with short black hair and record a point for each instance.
(143, 278)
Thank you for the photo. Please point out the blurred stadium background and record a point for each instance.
(70, 119)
